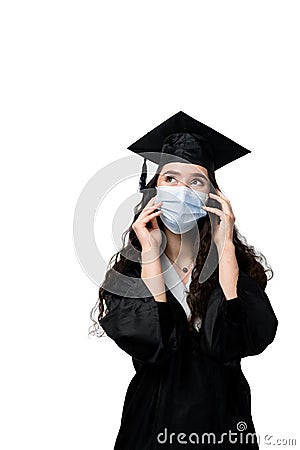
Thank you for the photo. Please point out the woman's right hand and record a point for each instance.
(149, 238)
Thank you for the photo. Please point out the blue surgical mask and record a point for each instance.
(181, 207)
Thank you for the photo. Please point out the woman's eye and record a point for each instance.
(197, 180)
(168, 178)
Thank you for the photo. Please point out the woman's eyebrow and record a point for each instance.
(195, 174)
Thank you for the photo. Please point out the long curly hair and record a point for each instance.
(249, 260)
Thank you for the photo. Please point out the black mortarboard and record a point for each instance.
(184, 139)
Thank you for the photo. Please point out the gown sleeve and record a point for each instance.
(142, 327)
(239, 327)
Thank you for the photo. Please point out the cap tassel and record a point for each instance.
(143, 177)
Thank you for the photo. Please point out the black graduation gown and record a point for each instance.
(175, 396)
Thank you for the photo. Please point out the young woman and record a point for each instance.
(186, 338)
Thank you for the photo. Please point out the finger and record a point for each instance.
(217, 197)
(150, 208)
(222, 195)
(148, 211)
(145, 214)
(151, 201)
(226, 206)
(216, 211)
(150, 216)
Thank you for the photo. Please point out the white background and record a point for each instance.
(80, 81)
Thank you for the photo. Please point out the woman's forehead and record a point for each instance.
(184, 169)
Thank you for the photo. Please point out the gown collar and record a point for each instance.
(176, 285)
(178, 288)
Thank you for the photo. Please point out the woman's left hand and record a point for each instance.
(223, 232)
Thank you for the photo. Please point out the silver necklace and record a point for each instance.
(184, 269)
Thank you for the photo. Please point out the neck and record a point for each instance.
(180, 247)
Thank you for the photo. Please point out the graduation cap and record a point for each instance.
(181, 138)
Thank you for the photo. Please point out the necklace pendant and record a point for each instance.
(185, 269)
